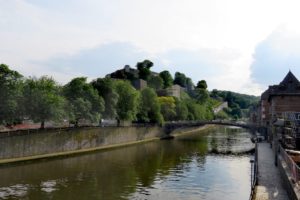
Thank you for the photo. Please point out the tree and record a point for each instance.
(202, 84)
(42, 100)
(201, 95)
(167, 105)
(85, 103)
(144, 69)
(181, 110)
(106, 89)
(149, 109)
(189, 84)
(167, 78)
(155, 82)
(10, 95)
(127, 105)
(180, 79)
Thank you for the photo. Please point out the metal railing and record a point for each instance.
(293, 167)
(254, 172)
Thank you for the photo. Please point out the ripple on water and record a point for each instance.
(18, 190)
(48, 186)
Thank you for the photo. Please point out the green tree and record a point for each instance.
(181, 110)
(202, 84)
(189, 84)
(180, 79)
(127, 106)
(149, 110)
(155, 82)
(201, 95)
(10, 95)
(167, 78)
(106, 89)
(42, 100)
(144, 69)
(167, 105)
(84, 100)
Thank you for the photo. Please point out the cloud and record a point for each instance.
(217, 66)
(275, 56)
(94, 62)
(212, 40)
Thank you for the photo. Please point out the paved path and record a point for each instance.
(269, 180)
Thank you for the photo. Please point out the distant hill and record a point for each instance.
(239, 104)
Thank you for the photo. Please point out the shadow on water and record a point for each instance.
(172, 169)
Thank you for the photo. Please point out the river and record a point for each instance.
(206, 165)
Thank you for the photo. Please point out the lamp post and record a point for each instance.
(252, 173)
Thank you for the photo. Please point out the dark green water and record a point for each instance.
(183, 168)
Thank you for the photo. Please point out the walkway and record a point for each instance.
(269, 181)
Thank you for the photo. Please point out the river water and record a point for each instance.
(206, 165)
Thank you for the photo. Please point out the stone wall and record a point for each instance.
(25, 145)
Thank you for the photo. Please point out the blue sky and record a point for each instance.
(237, 45)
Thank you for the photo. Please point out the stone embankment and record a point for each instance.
(25, 145)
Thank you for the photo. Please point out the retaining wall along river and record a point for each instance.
(35, 144)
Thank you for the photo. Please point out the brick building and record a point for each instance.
(279, 99)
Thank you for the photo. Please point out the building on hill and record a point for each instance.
(139, 84)
(126, 73)
(131, 74)
(174, 91)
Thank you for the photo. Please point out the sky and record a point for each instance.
(238, 45)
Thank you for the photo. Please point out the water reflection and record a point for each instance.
(182, 168)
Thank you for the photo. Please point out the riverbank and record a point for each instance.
(191, 130)
(36, 144)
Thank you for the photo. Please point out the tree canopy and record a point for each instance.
(85, 103)
(42, 100)
(127, 106)
(149, 109)
(167, 78)
(10, 95)
(106, 89)
(144, 69)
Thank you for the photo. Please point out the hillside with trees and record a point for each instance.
(113, 97)
(238, 104)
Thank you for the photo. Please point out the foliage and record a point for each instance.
(167, 105)
(155, 82)
(181, 110)
(189, 84)
(79, 91)
(167, 78)
(180, 79)
(122, 74)
(10, 95)
(42, 100)
(149, 109)
(202, 84)
(244, 101)
(201, 95)
(236, 102)
(221, 115)
(127, 106)
(144, 69)
(106, 89)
